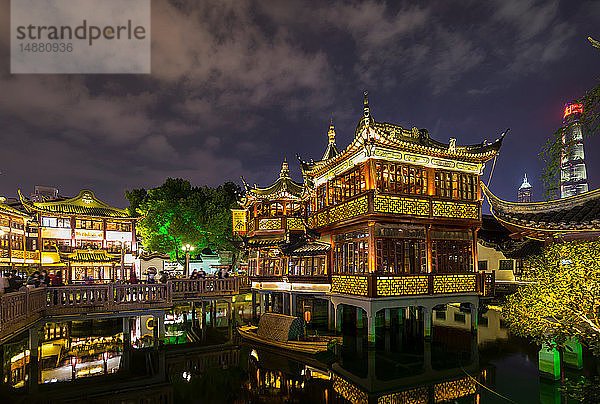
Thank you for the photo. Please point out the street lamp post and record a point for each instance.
(187, 248)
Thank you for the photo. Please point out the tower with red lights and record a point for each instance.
(573, 176)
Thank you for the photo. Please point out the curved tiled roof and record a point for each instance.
(91, 256)
(148, 257)
(368, 131)
(283, 187)
(11, 211)
(575, 213)
(85, 204)
(311, 248)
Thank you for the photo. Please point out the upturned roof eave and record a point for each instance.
(33, 207)
(434, 148)
(551, 228)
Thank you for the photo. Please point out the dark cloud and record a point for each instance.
(236, 86)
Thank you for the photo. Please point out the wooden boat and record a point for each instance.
(284, 332)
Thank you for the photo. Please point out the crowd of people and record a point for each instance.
(221, 273)
(11, 281)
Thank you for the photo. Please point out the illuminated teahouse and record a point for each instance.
(399, 213)
(83, 236)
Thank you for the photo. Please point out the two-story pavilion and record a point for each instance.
(83, 236)
(18, 239)
(400, 212)
(280, 259)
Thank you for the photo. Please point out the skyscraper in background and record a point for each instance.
(525, 191)
(573, 177)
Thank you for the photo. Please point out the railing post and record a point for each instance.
(169, 291)
(110, 295)
(430, 280)
(27, 302)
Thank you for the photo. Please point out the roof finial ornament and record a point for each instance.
(331, 132)
(452, 145)
(285, 172)
(366, 105)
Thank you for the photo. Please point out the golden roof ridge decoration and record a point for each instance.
(283, 187)
(368, 131)
(4, 208)
(85, 203)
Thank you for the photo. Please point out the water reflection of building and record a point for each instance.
(83, 236)
(106, 366)
(491, 326)
(64, 351)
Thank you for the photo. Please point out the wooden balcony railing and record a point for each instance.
(370, 203)
(380, 285)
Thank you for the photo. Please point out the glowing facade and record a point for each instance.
(83, 236)
(395, 213)
(18, 239)
(573, 177)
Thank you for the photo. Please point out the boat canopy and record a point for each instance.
(279, 327)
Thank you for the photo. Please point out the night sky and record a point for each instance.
(236, 86)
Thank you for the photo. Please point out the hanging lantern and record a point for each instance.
(307, 316)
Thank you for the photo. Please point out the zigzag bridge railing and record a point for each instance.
(18, 309)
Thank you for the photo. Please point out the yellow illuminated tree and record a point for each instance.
(563, 301)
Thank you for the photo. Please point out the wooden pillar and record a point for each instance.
(475, 262)
(371, 329)
(474, 314)
(429, 248)
(253, 305)
(427, 322)
(372, 248)
(359, 318)
(430, 181)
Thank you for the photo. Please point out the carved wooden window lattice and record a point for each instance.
(401, 179)
(455, 185)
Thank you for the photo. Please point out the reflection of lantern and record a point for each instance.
(307, 316)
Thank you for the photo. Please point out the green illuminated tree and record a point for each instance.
(563, 300)
(176, 214)
(551, 151)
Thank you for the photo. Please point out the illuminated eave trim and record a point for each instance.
(292, 286)
(332, 172)
(540, 229)
(358, 141)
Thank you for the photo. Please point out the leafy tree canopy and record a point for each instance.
(176, 214)
(563, 300)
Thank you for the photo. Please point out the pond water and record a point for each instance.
(108, 360)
